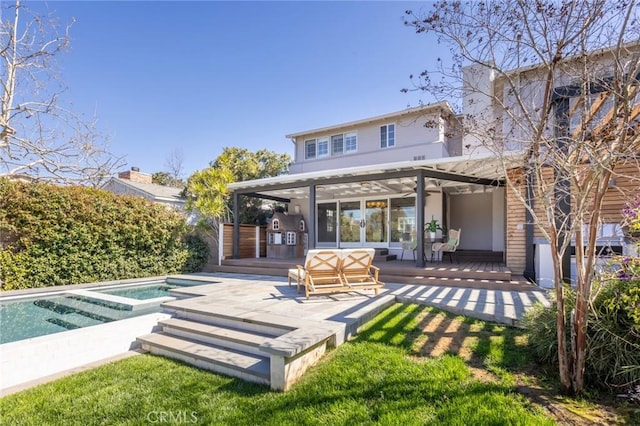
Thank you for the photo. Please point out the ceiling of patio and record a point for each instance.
(454, 175)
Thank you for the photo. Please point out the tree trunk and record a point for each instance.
(564, 367)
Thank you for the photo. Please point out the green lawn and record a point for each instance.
(384, 376)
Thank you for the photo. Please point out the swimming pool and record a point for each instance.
(24, 318)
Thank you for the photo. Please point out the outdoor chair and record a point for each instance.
(358, 271)
(320, 273)
(449, 246)
(409, 245)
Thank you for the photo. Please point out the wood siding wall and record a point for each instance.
(627, 185)
(515, 215)
(247, 241)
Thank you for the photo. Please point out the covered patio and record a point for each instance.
(382, 206)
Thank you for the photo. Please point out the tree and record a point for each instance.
(207, 189)
(246, 165)
(40, 137)
(172, 176)
(565, 93)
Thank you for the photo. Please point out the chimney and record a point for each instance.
(135, 175)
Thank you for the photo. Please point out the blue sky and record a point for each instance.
(199, 76)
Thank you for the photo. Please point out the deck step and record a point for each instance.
(221, 336)
(249, 367)
(259, 270)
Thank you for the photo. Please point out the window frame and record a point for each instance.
(347, 139)
(291, 238)
(307, 144)
(334, 139)
(324, 142)
(384, 143)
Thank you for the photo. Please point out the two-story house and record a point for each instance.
(375, 182)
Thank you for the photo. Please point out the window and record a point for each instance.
(350, 142)
(275, 238)
(310, 148)
(301, 227)
(291, 238)
(337, 144)
(322, 147)
(387, 136)
(403, 219)
(275, 225)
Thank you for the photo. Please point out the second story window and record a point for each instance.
(275, 225)
(387, 135)
(310, 148)
(337, 144)
(350, 142)
(322, 147)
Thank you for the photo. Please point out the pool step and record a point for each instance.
(69, 305)
(231, 362)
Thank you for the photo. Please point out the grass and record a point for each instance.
(392, 373)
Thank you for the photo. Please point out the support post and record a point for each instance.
(236, 226)
(420, 205)
(311, 220)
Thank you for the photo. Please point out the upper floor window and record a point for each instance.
(340, 144)
(301, 227)
(310, 148)
(350, 142)
(337, 144)
(322, 147)
(387, 135)
(275, 224)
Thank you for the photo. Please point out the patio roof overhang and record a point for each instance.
(454, 175)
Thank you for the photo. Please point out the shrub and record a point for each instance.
(51, 235)
(613, 345)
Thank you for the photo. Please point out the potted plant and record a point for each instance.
(431, 227)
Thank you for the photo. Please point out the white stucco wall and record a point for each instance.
(412, 139)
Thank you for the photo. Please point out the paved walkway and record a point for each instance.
(273, 294)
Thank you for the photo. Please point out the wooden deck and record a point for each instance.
(469, 274)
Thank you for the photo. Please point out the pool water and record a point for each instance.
(141, 293)
(26, 318)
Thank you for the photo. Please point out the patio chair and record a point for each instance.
(449, 246)
(408, 245)
(320, 273)
(358, 271)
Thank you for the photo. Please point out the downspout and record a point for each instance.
(562, 190)
(529, 267)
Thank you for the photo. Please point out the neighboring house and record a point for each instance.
(372, 182)
(134, 182)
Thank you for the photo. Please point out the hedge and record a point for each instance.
(52, 235)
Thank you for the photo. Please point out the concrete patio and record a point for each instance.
(272, 294)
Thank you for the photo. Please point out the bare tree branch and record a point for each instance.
(39, 136)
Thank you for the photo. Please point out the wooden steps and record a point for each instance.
(473, 273)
